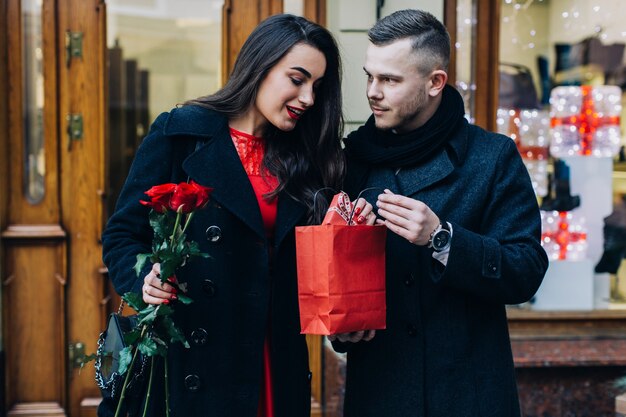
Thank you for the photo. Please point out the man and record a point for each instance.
(464, 239)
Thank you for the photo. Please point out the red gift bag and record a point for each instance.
(341, 276)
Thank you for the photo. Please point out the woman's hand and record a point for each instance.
(363, 213)
(354, 337)
(156, 292)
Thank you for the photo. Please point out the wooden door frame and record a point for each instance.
(487, 76)
(83, 90)
(4, 168)
(487, 41)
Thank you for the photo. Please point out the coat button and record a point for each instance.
(192, 382)
(199, 336)
(411, 330)
(213, 234)
(409, 280)
(208, 287)
(309, 376)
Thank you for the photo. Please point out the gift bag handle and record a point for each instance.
(351, 215)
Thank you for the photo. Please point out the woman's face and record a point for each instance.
(288, 90)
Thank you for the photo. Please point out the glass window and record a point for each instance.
(33, 100)
(562, 75)
(160, 54)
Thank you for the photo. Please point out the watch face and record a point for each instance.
(441, 239)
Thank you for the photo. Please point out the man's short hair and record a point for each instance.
(429, 37)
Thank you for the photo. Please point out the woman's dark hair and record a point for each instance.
(428, 35)
(309, 157)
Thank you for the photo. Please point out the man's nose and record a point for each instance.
(373, 90)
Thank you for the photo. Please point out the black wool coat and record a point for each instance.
(446, 350)
(246, 288)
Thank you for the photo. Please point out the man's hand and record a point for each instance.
(354, 337)
(409, 218)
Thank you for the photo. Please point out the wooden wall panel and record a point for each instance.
(33, 301)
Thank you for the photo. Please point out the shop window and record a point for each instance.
(160, 54)
(562, 74)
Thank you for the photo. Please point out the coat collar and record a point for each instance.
(216, 164)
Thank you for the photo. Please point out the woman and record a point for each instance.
(265, 143)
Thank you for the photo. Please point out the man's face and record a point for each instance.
(398, 94)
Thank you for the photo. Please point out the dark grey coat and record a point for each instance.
(246, 287)
(446, 349)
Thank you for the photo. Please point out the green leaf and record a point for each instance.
(174, 333)
(88, 358)
(149, 317)
(126, 357)
(162, 224)
(148, 347)
(184, 299)
(194, 250)
(141, 261)
(164, 310)
(145, 311)
(134, 300)
(131, 337)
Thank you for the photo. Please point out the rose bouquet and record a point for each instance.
(153, 328)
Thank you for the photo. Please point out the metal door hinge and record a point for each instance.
(76, 354)
(74, 128)
(73, 46)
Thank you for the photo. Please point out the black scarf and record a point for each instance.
(383, 148)
(369, 147)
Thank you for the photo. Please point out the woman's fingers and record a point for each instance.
(154, 291)
(363, 213)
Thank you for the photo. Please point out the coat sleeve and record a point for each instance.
(504, 262)
(128, 232)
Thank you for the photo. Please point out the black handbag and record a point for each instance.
(517, 90)
(108, 378)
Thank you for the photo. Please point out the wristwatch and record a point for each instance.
(440, 238)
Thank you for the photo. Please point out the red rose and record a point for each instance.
(202, 194)
(189, 196)
(160, 196)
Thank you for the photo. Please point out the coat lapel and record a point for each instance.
(413, 180)
(216, 164)
(290, 213)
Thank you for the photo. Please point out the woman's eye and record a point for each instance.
(296, 81)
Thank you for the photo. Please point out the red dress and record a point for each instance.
(251, 150)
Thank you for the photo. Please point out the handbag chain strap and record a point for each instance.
(121, 307)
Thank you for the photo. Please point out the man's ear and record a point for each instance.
(438, 80)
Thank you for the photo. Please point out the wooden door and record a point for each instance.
(52, 290)
(34, 242)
